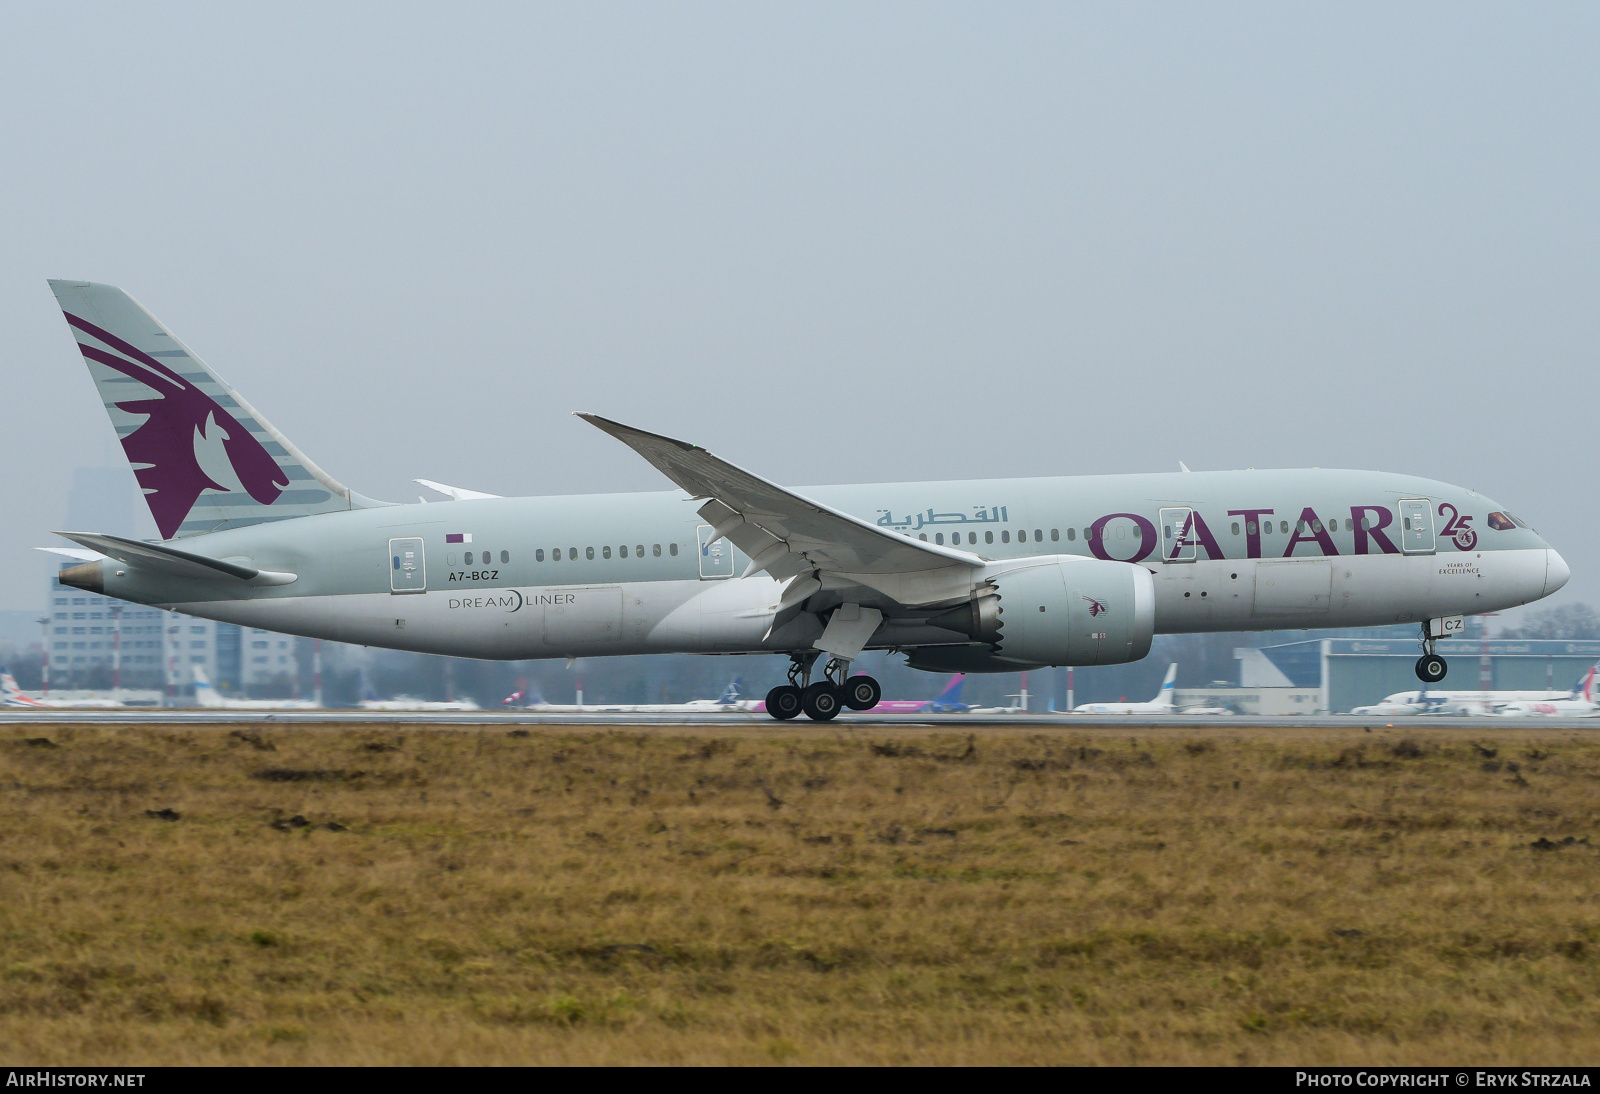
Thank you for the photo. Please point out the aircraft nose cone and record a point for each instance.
(1556, 572)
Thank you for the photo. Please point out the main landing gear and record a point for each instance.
(1431, 668)
(821, 701)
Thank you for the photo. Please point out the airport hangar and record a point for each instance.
(1348, 672)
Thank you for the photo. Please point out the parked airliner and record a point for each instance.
(13, 696)
(1161, 704)
(991, 575)
(207, 696)
(947, 701)
(1582, 702)
(1453, 703)
(729, 702)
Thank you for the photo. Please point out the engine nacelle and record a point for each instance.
(1062, 610)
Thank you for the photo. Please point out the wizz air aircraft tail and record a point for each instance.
(995, 575)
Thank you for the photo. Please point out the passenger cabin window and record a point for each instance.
(505, 556)
(923, 537)
(572, 554)
(1250, 527)
(467, 558)
(605, 552)
(1005, 537)
(622, 552)
(639, 550)
(938, 537)
(672, 549)
(538, 556)
(655, 549)
(972, 537)
(1235, 527)
(588, 553)
(1283, 527)
(1038, 535)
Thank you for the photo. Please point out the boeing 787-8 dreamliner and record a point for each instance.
(990, 575)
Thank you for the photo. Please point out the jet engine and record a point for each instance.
(1060, 610)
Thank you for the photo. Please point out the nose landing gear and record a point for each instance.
(1431, 668)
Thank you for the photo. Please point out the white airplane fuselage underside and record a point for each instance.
(735, 615)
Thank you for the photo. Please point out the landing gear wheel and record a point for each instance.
(783, 702)
(821, 701)
(862, 693)
(1431, 668)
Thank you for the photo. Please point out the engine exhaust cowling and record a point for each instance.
(1062, 610)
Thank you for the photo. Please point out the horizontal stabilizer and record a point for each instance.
(78, 553)
(157, 556)
(456, 493)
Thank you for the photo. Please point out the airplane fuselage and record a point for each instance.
(539, 577)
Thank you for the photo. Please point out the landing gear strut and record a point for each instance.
(1431, 668)
(785, 700)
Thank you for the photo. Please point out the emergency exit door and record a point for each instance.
(716, 554)
(1416, 526)
(408, 570)
(1177, 535)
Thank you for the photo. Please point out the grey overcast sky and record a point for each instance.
(830, 242)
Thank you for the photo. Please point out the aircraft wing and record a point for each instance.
(794, 537)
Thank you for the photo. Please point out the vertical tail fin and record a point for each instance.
(950, 698)
(205, 458)
(1585, 687)
(1168, 684)
(10, 694)
(204, 693)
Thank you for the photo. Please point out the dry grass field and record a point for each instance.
(361, 894)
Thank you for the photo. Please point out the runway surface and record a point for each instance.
(487, 718)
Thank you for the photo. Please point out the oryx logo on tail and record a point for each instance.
(162, 450)
(205, 458)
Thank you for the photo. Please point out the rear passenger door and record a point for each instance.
(408, 568)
